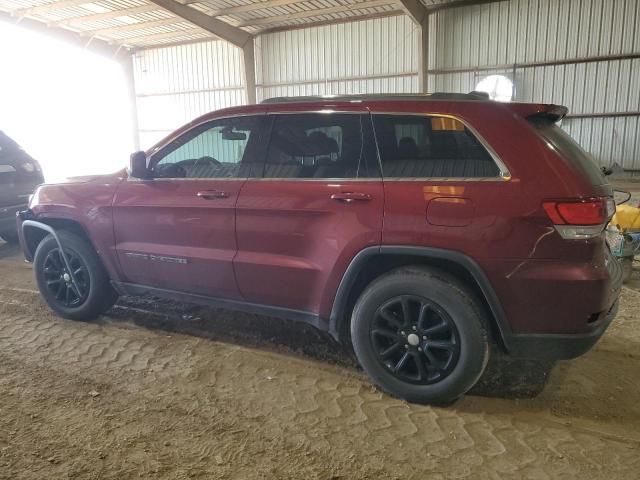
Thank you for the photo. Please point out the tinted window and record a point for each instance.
(217, 149)
(423, 147)
(316, 146)
(570, 150)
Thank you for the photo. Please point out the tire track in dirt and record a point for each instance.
(309, 410)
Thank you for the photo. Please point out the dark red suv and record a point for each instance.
(426, 231)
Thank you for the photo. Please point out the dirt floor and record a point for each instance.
(195, 393)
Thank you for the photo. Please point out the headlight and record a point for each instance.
(28, 167)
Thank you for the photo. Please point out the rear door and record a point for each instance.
(177, 231)
(319, 202)
(444, 187)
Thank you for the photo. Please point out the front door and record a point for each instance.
(176, 231)
(319, 202)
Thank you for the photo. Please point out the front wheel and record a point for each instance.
(420, 335)
(92, 293)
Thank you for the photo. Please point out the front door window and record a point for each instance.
(218, 149)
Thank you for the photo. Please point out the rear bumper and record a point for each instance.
(600, 294)
(560, 346)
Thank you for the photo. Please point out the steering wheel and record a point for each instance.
(206, 158)
(170, 170)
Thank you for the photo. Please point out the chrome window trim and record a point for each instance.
(181, 179)
(331, 180)
(504, 175)
(379, 179)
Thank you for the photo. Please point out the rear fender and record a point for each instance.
(338, 323)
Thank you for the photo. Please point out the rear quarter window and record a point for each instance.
(570, 150)
(425, 146)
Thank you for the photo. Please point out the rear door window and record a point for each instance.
(423, 146)
(570, 150)
(319, 146)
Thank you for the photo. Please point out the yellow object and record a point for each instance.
(627, 218)
(448, 124)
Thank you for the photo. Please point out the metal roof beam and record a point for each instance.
(415, 9)
(217, 27)
(132, 27)
(459, 3)
(94, 17)
(315, 13)
(162, 36)
(420, 16)
(47, 7)
(335, 21)
(250, 7)
(223, 30)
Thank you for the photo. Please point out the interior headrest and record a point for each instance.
(321, 144)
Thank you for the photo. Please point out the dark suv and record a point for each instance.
(19, 176)
(426, 231)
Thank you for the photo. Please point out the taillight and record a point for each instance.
(579, 219)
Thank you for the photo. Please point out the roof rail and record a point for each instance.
(380, 96)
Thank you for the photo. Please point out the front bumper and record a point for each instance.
(18, 219)
(8, 217)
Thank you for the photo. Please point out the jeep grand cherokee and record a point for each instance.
(426, 231)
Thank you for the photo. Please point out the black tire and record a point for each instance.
(10, 236)
(452, 318)
(97, 294)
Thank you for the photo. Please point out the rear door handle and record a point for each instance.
(212, 194)
(349, 197)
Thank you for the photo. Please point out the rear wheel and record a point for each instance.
(420, 335)
(92, 293)
(10, 236)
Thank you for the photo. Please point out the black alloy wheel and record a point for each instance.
(419, 333)
(59, 281)
(415, 339)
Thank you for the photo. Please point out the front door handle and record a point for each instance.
(212, 194)
(349, 197)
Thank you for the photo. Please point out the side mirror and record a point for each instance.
(138, 166)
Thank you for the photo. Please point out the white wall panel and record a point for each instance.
(494, 38)
(372, 56)
(174, 85)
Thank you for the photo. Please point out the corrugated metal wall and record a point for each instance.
(176, 84)
(377, 55)
(542, 31)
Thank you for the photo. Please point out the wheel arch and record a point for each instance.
(373, 262)
(33, 236)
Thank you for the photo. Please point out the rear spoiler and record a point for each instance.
(539, 111)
